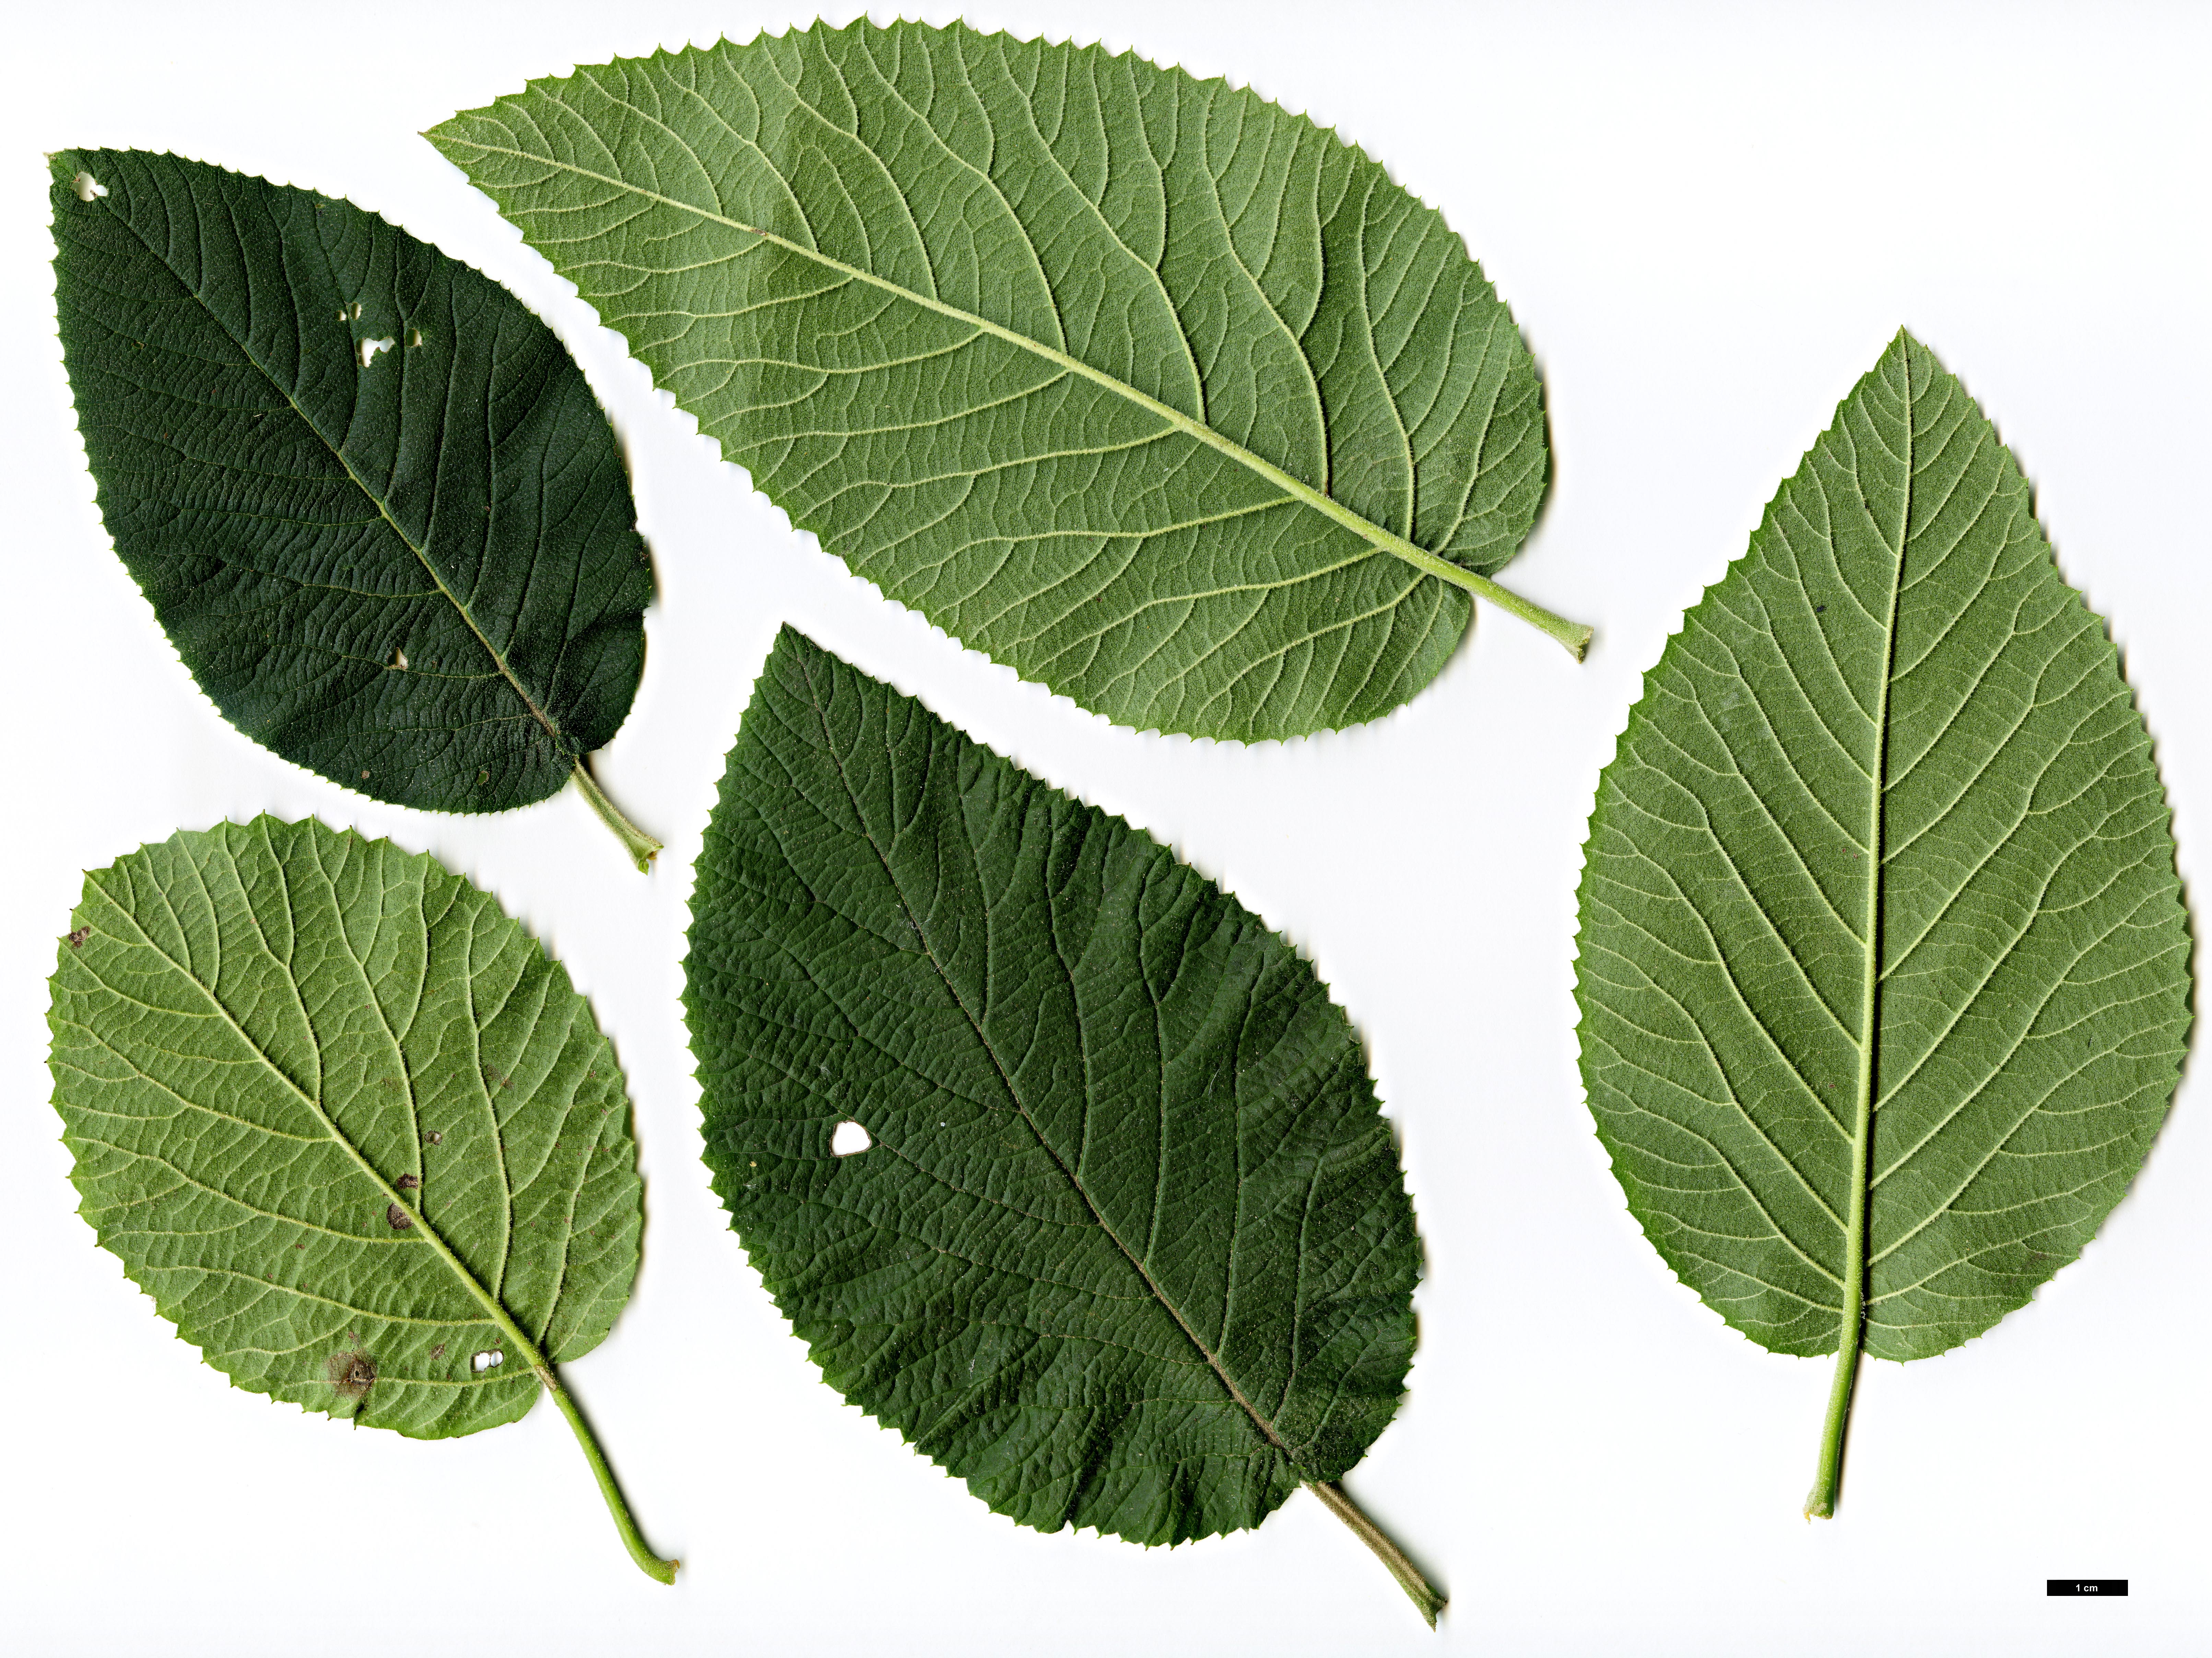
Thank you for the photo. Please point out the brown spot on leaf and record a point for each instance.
(438, 1352)
(352, 1373)
(78, 936)
(407, 1183)
(434, 1137)
(400, 1219)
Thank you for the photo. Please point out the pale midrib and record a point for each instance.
(360, 483)
(1158, 1293)
(430, 1234)
(1375, 535)
(1861, 1193)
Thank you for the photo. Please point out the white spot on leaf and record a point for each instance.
(849, 1138)
(88, 187)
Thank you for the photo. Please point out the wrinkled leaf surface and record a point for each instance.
(368, 494)
(1130, 1247)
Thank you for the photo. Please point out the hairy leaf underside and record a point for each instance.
(330, 1107)
(1130, 1248)
(368, 494)
(1885, 828)
(1123, 378)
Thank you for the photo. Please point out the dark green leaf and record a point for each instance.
(1141, 384)
(370, 495)
(1130, 1247)
(1885, 974)
(347, 1124)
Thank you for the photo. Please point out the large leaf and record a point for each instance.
(1146, 387)
(1884, 972)
(349, 1127)
(370, 495)
(1130, 1248)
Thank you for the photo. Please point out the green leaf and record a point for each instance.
(1885, 971)
(1138, 384)
(369, 495)
(349, 1127)
(1130, 1247)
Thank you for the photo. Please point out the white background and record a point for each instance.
(1707, 219)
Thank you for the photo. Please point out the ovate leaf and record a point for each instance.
(1128, 1246)
(370, 495)
(1884, 972)
(1153, 391)
(349, 1127)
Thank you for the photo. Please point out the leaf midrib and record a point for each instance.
(1857, 1302)
(339, 453)
(1378, 539)
(1007, 1082)
(430, 1234)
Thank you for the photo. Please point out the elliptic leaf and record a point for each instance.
(369, 495)
(348, 1126)
(1128, 1247)
(1884, 973)
(1153, 391)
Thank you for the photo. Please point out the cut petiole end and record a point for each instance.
(640, 846)
(1427, 1600)
(1574, 637)
(1828, 1479)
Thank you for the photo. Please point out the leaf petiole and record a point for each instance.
(1427, 1599)
(660, 1571)
(1574, 636)
(1820, 1501)
(636, 842)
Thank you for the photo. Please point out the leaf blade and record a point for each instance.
(317, 1225)
(1887, 779)
(1118, 419)
(301, 997)
(372, 500)
(1059, 1041)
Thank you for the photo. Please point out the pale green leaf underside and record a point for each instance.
(261, 1034)
(1123, 378)
(1898, 637)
